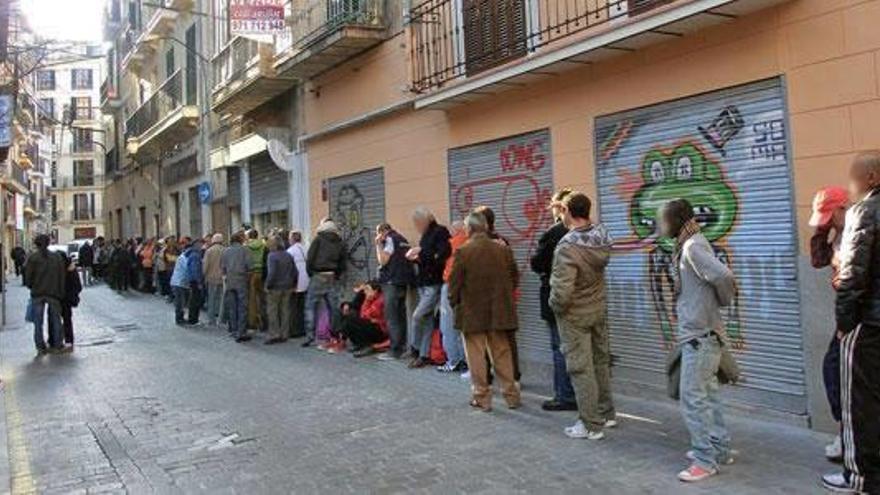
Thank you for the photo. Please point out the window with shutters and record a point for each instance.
(494, 32)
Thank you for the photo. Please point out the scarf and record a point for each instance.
(688, 230)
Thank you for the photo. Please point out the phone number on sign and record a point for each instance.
(257, 26)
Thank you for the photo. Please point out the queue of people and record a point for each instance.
(466, 282)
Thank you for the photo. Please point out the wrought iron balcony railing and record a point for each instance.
(452, 39)
(234, 60)
(319, 18)
(166, 99)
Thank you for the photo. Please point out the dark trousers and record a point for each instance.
(860, 405)
(67, 322)
(395, 315)
(831, 376)
(181, 295)
(18, 267)
(562, 389)
(165, 283)
(298, 315)
(361, 332)
(194, 303)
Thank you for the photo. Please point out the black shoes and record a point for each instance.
(308, 342)
(556, 405)
(243, 338)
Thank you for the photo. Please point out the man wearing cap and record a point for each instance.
(829, 214)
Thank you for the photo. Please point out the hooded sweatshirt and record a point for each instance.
(257, 250)
(577, 282)
(327, 251)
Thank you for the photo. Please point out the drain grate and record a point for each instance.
(94, 343)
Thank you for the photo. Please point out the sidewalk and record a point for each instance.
(143, 405)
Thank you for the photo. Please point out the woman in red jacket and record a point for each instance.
(367, 326)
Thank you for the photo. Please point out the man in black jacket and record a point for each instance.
(44, 276)
(325, 263)
(396, 275)
(858, 327)
(86, 260)
(542, 264)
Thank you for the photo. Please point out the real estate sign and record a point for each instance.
(256, 18)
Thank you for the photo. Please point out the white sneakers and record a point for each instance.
(834, 450)
(837, 483)
(580, 431)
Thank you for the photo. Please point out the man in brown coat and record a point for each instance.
(481, 285)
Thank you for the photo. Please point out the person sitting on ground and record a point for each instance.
(363, 319)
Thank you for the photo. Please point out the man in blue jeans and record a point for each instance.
(326, 261)
(430, 257)
(180, 288)
(396, 275)
(703, 284)
(235, 264)
(542, 264)
(44, 275)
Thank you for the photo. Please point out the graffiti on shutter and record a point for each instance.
(357, 206)
(725, 152)
(494, 32)
(513, 176)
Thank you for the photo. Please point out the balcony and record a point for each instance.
(326, 33)
(460, 54)
(17, 178)
(137, 47)
(164, 120)
(245, 77)
(77, 181)
(76, 215)
(110, 99)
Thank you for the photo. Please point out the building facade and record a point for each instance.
(745, 107)
(155, 92)
(68, 95)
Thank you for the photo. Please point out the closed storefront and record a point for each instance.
(727, 153)
(513, 176)
(268, 190)
(195, 212)
(357, 205)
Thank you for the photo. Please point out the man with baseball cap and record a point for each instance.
(829, 213)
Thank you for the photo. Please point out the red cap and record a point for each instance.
(825, 203)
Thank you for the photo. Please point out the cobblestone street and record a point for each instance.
(145, 406)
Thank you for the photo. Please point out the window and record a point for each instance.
(81, 107)
(134, 15)
(169, 62)
(82, 140)
(46, 80)
(82, 209)
(47, 107)
(81, 78)
(83, 173)
(191, 65)
(494, 33)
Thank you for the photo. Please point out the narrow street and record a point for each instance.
(144, 406)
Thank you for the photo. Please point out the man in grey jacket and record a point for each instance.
(703, 285)
(235, 263)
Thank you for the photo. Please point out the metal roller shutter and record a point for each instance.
(357, 205)
(268, 185)
(233, 186)
(514, 177)
(726, 152)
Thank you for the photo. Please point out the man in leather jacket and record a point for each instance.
(858, 327)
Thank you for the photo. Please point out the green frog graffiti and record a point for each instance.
(683, 172)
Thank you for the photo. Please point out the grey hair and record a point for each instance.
(476, 222)
(423, 213)
(458, 225)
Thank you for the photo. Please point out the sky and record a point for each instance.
(68, 20)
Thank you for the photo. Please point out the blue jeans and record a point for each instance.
(323, 288)
(181, 300)
(215, 293)
(452, 343)
(562, 389)
(700, 401)
(236, 311)
(40, 306)
(423, 318)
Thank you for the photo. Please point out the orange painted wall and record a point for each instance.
(828, 51)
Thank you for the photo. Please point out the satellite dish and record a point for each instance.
(280, 155)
